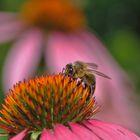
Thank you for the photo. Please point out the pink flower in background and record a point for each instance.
(45, 30)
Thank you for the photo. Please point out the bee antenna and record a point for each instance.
(63, 70)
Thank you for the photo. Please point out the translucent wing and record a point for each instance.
(99, 73)
(86, 64)
(92, 65)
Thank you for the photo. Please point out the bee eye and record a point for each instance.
(71, 71)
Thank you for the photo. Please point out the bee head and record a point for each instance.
(69, 70)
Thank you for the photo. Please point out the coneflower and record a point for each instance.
(55, 107)
(53, 33)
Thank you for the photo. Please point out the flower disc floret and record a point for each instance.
(45, 101)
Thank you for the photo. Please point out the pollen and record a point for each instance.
(45, 101)
(53, 14)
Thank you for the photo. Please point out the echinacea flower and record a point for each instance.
(55, 30)
(55, 107)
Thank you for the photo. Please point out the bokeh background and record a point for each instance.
(117, 24)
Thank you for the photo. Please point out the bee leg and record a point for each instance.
(78, 81)
(70, 79)
(91, 91)
(63, 71)
(83, 84)
(93, 88)
(89, 96)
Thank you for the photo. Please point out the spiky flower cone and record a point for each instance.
(45, 101)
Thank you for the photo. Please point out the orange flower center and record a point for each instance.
(44, 101)
(53, 14)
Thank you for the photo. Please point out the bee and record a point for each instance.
(85, 72)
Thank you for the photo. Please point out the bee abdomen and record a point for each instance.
(90, 82)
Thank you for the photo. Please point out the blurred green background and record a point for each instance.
(116, 22)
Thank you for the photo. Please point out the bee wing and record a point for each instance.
(99, 73)
(92, 65)
(86, 64)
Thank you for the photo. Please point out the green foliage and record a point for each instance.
(3, 137)
(8, 5)
(3, 51)
(108, 15)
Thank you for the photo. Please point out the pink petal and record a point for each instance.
(86, 133)
(114, 131)
(23, 58)
(10, 30)
(63, 133)
(89, 130)
(63, 49)
(47, 135)
(20, 136)
(113, 94)
(7, 16)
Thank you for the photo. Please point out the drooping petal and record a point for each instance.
(61, 132)
(20, 136)
(86, 133)
(7, 16)
(113, 131)
(113, 94)
(63, 49)
(89, 130)
(10, 29)
(23, 58)
(47, 135)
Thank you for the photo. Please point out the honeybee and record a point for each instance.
(84, 71)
